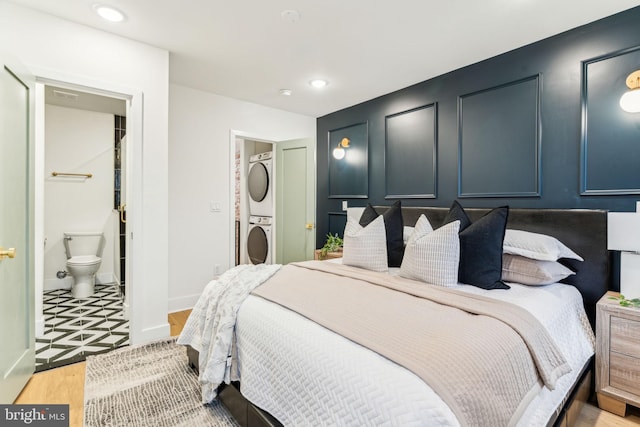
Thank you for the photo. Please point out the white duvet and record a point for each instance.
(306, 375)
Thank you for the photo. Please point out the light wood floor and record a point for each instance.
(65, 385)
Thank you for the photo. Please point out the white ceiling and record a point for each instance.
(364, 48)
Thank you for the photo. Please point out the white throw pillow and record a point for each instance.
(532, 272)
(432, 256)
(536, 246)
(365, 247)
(406, 233)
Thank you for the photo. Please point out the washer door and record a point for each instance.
(258, 182)
(257, 245)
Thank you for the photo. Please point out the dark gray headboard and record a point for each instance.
(584, 231)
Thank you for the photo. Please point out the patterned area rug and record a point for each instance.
(149, 385)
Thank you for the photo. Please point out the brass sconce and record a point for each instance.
(630, 101)
(339, 152)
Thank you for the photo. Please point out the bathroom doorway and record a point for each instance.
(85, 194)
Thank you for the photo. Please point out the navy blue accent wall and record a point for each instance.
(348, 177)
(537, 127)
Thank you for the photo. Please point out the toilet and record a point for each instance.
(84, 252)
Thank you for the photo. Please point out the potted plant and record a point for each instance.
(333, 244)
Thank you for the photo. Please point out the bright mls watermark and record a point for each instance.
(34, 415)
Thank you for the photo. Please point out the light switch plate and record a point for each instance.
(215, 206)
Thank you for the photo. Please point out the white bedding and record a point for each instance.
(306, 375)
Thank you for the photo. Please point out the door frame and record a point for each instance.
(134, 100)
(233, 135)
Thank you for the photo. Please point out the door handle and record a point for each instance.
(122, 208)
(309, 226)
(10, 253)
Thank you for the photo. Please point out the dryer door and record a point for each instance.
(257, 245)
(258, 182)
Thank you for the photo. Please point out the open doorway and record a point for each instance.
(275, 224)
(254, 212)
(84, 226)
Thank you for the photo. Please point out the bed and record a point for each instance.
(301, 373)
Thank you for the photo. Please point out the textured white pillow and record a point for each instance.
(532, 272)
(406, 233)
(536, 246)
(365, 247)
(432, 256)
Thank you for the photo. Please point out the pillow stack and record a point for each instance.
(481, 253)
(375, 242)
(532, 258)
(365, 247)
(458, 251)
(394, 230)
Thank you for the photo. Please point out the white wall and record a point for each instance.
(200, 159)
(77, 141)
(55, 49)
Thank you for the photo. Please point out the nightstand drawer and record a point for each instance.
(624, 373)
(625, 336)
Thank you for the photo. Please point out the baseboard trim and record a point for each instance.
(53, 284)
(183, 303)
(152, 334)
(39, 326)
(104, 278)
(65, 283)
(125, 310)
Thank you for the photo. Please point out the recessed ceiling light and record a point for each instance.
(108, 13)
(286, 92)
(318, 83)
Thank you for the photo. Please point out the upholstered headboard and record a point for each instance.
(584, 231)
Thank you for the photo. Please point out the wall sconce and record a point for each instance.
(630, 101)
(339, 152)
(623, 234)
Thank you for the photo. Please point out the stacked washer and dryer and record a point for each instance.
(261, 212)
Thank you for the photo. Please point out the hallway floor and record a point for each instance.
(76, 328)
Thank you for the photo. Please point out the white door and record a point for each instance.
(295, 200)
(17, 358)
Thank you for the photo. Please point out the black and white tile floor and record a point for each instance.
(77, 328)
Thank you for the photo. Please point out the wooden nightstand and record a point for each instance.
(330, 255)
(617, 355)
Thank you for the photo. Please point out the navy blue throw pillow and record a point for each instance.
(394, 227)
(481, 246)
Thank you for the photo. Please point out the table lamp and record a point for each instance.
(623, 234)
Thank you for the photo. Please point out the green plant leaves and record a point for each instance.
(635, 302)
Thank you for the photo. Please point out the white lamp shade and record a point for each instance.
(630, 275)
(623, 231)
(630, 101)
(338, 153)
